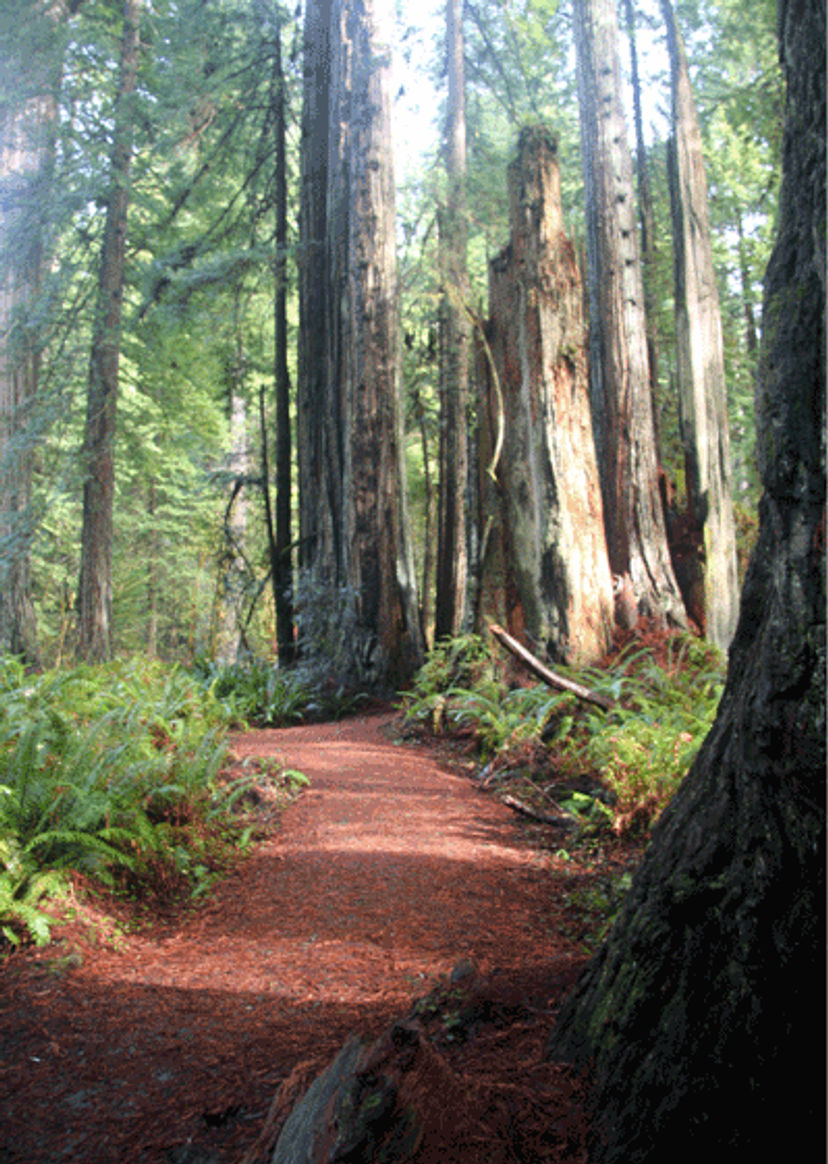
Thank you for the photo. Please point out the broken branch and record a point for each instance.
(550, 677)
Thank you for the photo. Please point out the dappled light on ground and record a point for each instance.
(387, 872)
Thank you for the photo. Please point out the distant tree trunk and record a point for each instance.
(699, 1016)
(95, 586)
(552, 514)
(26, 163)
(619, 373)
(700, 364)
(152, 574)
(356, 523)
(751, 340)
(646, 219)
(452, 556)
(233, 573)
(281, 564)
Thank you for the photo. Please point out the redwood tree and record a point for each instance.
(700, 363)
(95, 586)
(354, 524)
(452, 556)
(699, 1017)
(554, 550)
(28, 120)
(619, 371)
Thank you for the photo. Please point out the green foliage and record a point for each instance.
(112, 772)
(638, 752)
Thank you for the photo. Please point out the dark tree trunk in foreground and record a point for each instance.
(619, 374)
(700, 1018)
(700, 369)
(355, 521)
(553, 522)
(452, 556)
(95, 586)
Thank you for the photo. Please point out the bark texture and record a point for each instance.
(356, 525)
(700, 363)
(699, 1016)
(455, 339)
(95, 586)
(281, 563)
(619, 372)
(552, 515)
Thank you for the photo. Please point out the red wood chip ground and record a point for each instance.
(385, 874)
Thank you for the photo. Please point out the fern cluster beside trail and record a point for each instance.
(112, 772)
(633, 757)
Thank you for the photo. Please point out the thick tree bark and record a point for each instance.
(318, 464)
(553, 523)
(357, 528)
(95, 585)
(282, 565)
(619, 373)
(699, 1016)
(452, 556)
(26, 162)
(646, 218)
(700, 363)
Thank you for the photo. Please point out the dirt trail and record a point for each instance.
(388, 871)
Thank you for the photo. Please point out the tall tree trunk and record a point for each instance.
(317, 428)
(699, 1014)
(553, 518)
(619, 373)
(281, 565)
(355, 521)
(646, 219)
(700, 362)
(95, 586)
(452, 557)
(26, 164)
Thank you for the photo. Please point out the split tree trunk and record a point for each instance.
(95, 586)
(619, 373)
(700, 367)
(452, 554)
(554, 547)
(699, 1016)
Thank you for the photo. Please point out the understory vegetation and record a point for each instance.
(119, 775)
(116, 776)
(608, 770)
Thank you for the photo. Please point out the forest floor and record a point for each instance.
(167, 1043)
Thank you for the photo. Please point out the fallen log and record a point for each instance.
(561, 822)
(549, 677)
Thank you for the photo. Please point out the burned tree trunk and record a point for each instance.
(555, 554)
(696, 1017)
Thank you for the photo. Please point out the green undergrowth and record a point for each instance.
(606, 770)
(116, 775)
(257, 691)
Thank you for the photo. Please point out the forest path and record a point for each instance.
(388, 871)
